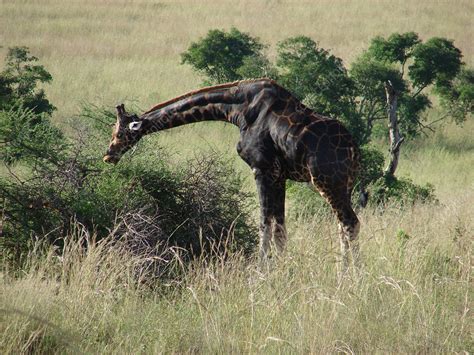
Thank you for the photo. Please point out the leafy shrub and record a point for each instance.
(457, 97)
(200, 205)
(371, 165)
(401, 191)
(19, 81)
(29, 137)
(196, 207)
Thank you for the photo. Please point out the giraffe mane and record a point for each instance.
(205, 89)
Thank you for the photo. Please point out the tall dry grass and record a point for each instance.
(412, 294)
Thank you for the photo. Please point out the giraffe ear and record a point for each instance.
(135, 126)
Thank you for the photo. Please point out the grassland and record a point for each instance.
(414, 291)
(105, 51)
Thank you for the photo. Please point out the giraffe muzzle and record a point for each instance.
(111, 159)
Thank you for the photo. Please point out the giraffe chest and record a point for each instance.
(258, 151)
(261, 152)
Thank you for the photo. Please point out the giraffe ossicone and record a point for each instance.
(280, 139)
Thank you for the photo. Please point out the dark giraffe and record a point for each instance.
(280, 139)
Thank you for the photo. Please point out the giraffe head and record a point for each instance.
(127, 132)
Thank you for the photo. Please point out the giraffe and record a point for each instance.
(280, 139)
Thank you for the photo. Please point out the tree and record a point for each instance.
(312, 73)
(389, 80)
(457, 96)
(220, 54)
(382, 83)
(29, 137)
(257, 66)
(19, 81)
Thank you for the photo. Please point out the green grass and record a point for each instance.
(414, 292)
(444, 159)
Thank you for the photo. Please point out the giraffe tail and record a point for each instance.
(363, 197)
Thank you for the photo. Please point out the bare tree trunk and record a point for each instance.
(395, 138)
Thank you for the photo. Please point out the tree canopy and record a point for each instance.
(220, 54)
(20, 79)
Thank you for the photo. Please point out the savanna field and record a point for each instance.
(413, 293)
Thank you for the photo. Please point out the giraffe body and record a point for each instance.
(280, 139)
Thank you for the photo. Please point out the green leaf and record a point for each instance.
(436, 60)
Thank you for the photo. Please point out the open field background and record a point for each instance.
(412, 295)
(106, 51)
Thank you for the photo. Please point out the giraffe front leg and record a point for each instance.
(265, 238)
(280, 236)
(271, 195)
(279, 230)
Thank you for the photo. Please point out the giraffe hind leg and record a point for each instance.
(349, 224)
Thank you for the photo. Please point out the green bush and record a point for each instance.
(20, 79)
(400, 191)
(29, 137)
(371, 165)
(257, 66)
(198, 208)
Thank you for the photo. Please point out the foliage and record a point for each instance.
(29, 137)
(436, 61)
(400, 191)
(198, 207)
(371, 165)
(396, 48)
(369, 76)
(220, 54)
(307, 69)
(19, 81)
(305, 202)
(257, 66)
(457, 97)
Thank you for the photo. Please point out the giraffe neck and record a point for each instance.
(218, 103)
